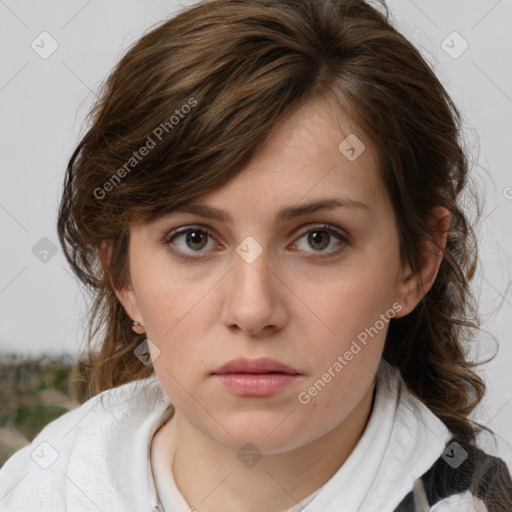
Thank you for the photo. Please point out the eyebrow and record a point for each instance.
(286, 213)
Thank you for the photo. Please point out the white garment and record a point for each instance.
(460, 503)
(97, 457)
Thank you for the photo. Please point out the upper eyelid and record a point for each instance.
(185, 229)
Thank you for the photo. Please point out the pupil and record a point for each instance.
(192, 239)
(316, 238)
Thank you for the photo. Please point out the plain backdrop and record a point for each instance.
(44, 98)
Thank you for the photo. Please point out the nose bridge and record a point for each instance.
(251, 301)
(251, 272)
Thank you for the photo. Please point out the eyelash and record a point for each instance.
(169, 238)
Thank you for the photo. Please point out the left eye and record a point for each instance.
(321, 237)
(197, 238)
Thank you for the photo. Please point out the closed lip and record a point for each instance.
(255, 366)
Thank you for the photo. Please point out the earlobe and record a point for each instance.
(414, 285)
(126, 295)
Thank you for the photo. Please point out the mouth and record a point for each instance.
(255, 377)
(259, 366)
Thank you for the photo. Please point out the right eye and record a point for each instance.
(190, 240)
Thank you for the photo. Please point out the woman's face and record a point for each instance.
(266, 272)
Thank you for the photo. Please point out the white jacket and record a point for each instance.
(97, 457)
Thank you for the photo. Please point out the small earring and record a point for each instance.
(137, 324)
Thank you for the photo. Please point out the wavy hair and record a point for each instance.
(247, 65)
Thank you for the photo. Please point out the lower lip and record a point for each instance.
(251, 384)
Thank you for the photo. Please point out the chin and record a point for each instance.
(270, 435)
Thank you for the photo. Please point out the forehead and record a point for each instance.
(316, 152)
(304, 167)
(316, 130)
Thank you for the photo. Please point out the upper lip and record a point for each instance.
(261, 365)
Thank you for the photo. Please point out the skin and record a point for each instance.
(285, 305)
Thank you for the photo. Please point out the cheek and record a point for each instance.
(343, 365)
(168, 294)
(168, 304)
(354, 299)
(173, 326)
(355, 309)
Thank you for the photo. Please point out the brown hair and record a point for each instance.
(241, 67)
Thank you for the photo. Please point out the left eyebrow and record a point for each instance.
(284, 214)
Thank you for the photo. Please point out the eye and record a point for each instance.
(321, 237)
(192, 239)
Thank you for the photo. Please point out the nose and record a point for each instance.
(255, 298)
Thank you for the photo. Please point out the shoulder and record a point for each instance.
(468, 468)
(123, 406)
(464, 478)
(456, 475)
(83, 448)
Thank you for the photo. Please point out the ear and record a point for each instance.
(413, 286)
(126, 295)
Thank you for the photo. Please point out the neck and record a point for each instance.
(212, 479)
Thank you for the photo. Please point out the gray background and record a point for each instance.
(44, 100)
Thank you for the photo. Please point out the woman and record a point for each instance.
(266, 209)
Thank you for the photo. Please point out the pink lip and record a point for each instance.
(255, 377)
(261, 365)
